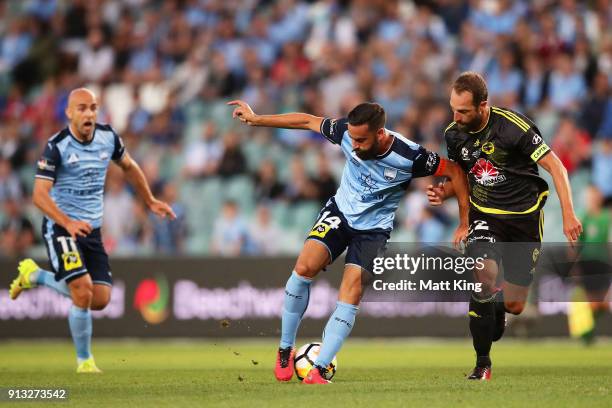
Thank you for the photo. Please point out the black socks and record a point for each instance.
(482, 326)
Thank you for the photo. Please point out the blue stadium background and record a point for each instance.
(164, 71)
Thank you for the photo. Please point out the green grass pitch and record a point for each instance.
(370, 373)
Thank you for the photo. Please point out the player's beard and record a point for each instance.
(473, 125)
(369, 154)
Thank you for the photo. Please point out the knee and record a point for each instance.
(82, 296)
(514, 308)
(100, 303)
(306, 270)
(487, 288)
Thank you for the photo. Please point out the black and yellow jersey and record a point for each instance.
(500, 161)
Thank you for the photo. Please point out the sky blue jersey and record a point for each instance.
(78, 171)
(370, 190)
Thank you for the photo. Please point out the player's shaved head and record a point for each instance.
(81, 95)
(82, 111)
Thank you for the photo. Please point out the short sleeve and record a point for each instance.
(532, 144)
(49, 163)
(333, 129)
(451, 148)
(425, 163)
(119, 150)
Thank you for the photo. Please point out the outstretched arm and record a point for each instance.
(245, 114)
(572, 228)
(136, 178)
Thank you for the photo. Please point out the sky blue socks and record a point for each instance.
(297, 293)
(80, 328)
(46, 278)
(338, 328)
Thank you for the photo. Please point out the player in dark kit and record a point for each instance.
(500, 151)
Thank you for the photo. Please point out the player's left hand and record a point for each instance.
(161, 209)
(460, 237)
(572, 228)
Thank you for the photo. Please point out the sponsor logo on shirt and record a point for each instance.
(43, 164)
(486, 173)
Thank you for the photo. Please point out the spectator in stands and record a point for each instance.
(169, 237)
(264, 233)
(267, 185)
(230, 232)
(602, 167)
(567, 85)
(300, 186)
(17, 230)
(202, 156)
(324, 181)
(571, 144)
(232, 162)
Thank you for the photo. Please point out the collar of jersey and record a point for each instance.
(80, 142)
(486, 124)
(385, 154)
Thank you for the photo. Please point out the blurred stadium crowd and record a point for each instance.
(164, 70)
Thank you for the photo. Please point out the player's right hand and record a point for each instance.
(243, 111)
(78, 228)
(436, 194)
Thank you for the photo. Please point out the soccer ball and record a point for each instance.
(305, 358)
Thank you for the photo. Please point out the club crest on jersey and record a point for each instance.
(486, 173)
(390, 174)
(103, 155)
(487, 148)
(465, 153)
(73, 158)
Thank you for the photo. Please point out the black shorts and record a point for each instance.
(514, 242)
(70, 259)
(333, 231)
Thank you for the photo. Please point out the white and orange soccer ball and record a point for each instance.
(305, 358)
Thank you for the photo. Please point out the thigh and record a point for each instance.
(331, 231)
(522, 251)
(96, 258)
(364, 246)
(485, 236)
(65, 254)
(313, 258)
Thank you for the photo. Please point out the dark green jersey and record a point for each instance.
(500, 161)
(595, 230)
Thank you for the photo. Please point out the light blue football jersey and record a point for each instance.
(78, 171)
(370, 190)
